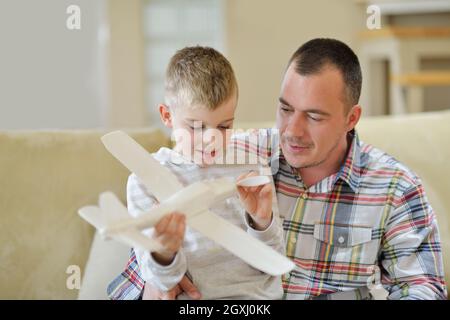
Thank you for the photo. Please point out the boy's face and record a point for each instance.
(200, 134)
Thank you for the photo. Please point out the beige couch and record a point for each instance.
(46, 176)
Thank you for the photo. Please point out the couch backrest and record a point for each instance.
(421, 142)
(45, 177)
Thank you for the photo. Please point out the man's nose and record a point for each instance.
(296, 126)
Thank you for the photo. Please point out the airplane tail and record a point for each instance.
(93, 215)
(110, 210)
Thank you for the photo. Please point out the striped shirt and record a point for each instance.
(368, 223)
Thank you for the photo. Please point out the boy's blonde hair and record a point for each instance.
(199, 76)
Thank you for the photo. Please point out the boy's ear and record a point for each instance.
(166, 116)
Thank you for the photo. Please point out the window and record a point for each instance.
(170, 25)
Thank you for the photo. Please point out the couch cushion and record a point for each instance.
(45, 177)
(107, 259)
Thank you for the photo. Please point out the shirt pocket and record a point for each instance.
(342, 235)
(348, 249)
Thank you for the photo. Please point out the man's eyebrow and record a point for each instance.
(311, 110)
(317, 111)
(283, 101)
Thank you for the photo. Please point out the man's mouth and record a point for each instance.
(297, 149)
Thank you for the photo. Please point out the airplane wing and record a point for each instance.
(157, 178)
(163, 184)
(93, 215)
(135, 239)
(240, 243)
(111, 210)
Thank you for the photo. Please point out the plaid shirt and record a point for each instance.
(369, 222)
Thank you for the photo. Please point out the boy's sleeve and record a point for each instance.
(139, 200)
(263, 144)
(273, 236)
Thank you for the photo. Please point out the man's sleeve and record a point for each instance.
(129, 284)
(411, 256)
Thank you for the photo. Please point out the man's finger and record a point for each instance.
(188, 287)
(168, 295)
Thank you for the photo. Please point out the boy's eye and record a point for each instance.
(196, 128)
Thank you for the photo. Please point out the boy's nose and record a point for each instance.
(212, 136)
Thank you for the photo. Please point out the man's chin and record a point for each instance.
(297, 163)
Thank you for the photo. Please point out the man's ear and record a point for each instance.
(353, 117)
(166, 116)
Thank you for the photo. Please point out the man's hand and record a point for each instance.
(257, 202)
(185, 285)
(169, 231)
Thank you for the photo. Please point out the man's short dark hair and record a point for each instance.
(316, 54)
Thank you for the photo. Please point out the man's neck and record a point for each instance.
(312, 175)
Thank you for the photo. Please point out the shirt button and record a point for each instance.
(341, 239)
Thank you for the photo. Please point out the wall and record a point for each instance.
(263, 34)
(50, 77)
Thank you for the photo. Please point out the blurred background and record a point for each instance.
(110, 72)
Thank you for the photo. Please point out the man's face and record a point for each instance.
(311, 117)
(202, 134)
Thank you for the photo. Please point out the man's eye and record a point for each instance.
(284, 109)
(223, 127)
(315, 119)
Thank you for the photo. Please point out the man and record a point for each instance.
(353, 215)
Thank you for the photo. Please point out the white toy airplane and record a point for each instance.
(113, 220)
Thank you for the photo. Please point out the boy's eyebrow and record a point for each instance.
(193, 120)
(231, 119)
(311, 110)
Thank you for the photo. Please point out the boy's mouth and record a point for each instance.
(207, 153)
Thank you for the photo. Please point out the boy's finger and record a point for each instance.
(162, 224)
(246, 175)
(174, 222)
(242, 192)
(181, 228)
(266, 190)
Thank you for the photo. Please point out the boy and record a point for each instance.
(201, 97)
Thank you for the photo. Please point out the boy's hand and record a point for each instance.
(257, 202)
(169, 231)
